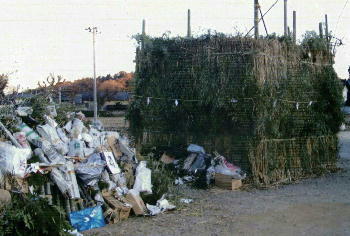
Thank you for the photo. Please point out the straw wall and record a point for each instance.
(239, 96)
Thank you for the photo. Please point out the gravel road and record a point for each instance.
(311, 207)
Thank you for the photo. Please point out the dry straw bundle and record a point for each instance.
(269, 105)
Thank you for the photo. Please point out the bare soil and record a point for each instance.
(319, 206)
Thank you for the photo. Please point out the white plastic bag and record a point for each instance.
(31, 135)
(13, 160)
(143, 181)
(76, 148)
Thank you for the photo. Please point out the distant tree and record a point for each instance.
(3, 84)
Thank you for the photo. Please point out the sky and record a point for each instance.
(39, 37)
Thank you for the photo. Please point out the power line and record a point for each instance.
(262, 17)
(341, 13)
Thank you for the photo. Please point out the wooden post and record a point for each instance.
(188, 23)
(294, 26)
(285, 19)
(256, 18)
(320, 29)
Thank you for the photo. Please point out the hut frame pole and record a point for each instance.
(188, 23)
(294, 26)
(256, 19)
(143, 33)
(285, 18)
(320, 29)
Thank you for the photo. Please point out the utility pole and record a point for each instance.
(94, 31)
(285, 19)
(256, 18)
(188, 23)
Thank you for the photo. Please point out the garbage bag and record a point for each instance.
(88, 218)
(76, 148)
(52, 155)
(62, 135)
(189, 160)
(13, 160)
(31, 135)
(73, 190)
(195, 149)
(21, 138)
(199, 163)
(226, 168)
(68, 126)
(90, 170)
(78, 125)
(24, 111)
(51, 110)
(143, 181)
(58, 178)
(49, 133)
(107, 179)
(50, 121)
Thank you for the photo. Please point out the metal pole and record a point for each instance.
(285, 19)
(95, 83)
(294, 26)
(188, 23)
(256, 18)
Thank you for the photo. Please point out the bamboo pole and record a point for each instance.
(320, 29)
(256, 19)
(188, 23)
(294, 26)
(285, 19)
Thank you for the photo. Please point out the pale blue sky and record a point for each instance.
(43, 36)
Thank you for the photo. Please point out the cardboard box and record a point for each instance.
(138, 206)
(119, 211)
(227, 182)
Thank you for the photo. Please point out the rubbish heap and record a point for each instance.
(94, 173)
(205, 169)
(78, 158)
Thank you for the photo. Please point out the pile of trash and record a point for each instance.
(202, 168)
(78, 158)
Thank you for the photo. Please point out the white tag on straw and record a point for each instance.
(148, 100)
(297, 105)
(176, 102)
(310, 103)
(275, 103)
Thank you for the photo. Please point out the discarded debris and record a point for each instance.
(186, 200)
(96, 172)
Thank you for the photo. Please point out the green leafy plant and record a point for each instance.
(30, 215)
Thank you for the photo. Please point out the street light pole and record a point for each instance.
(93, 30)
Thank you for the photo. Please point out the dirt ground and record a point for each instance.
(311, 207)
